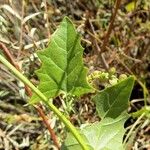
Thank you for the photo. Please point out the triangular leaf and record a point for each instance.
(102, 135)
(62, 69)
(111, 104)
(112, 101)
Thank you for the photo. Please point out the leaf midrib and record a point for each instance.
(114, 101)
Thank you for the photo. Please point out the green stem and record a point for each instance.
(46, 101)
(133, 127)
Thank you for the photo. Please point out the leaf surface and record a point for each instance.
(112, 101)
(111, 105)
(62, 69)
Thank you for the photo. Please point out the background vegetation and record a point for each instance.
(117, 45)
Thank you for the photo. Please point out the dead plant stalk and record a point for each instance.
(29, 93)
(110, 28)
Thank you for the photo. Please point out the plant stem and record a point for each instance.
(50, 129)
(132, 128)
(46, 101)
(29, 93)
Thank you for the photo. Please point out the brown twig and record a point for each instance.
(51, 131)
(8, 55)
(102, 58)
(29, 93)
(106, 38)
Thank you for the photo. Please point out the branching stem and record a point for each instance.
(45, 100)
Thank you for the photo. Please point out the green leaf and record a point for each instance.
(112, 101)
(111, 105)
(144, 110)
(72, 144)
(62, 69)
(130, 6)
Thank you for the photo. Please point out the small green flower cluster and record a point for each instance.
(104, 78)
